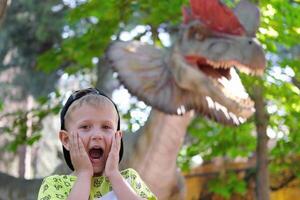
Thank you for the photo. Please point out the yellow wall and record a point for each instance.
(195, 184)
(291, 192)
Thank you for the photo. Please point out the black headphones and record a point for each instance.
(75, 96)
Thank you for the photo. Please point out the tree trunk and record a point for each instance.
(22, 161)
(261, 121)
(24, 150)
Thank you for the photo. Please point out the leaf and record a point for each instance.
(34, 138)
(1, 104)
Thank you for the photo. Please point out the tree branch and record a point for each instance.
(3, 4)
(296, 82)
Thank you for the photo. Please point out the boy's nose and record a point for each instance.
(97, 135)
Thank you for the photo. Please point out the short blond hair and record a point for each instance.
(94, 100)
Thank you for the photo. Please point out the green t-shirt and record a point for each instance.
(59, 186)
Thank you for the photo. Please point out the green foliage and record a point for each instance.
(94, 23)
(227, 184)
(1, 104)
(279, 24)
(280, 33)
(91, 26)
(210, 140)
(18, 130)
(150, 12)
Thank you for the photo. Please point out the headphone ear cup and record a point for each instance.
(68, 158)
(121, 151)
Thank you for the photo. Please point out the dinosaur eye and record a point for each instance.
(199, 36)
(250, 42)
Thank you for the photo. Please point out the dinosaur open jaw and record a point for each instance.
(225, 78)
(215, 68)
(215, 73)
(242, 68)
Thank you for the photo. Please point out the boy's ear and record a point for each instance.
(64, 138)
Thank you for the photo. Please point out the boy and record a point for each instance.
(91, 138)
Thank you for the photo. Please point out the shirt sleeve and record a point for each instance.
(139, 186)
(54, 188)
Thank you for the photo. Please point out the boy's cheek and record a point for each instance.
(111, 136)
(111, 140)
(82, 134)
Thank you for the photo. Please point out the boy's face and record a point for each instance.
(95, 125)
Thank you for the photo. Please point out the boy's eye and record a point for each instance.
(107, 127)
(84, 126)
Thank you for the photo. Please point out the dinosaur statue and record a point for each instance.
(196, 73)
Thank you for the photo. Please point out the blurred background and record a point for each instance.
(52, 47)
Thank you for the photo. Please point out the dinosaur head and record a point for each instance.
(200, 70)
(214, 41)
(214, 35)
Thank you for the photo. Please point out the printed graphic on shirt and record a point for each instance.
(59, 186)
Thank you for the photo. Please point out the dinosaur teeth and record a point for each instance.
(242, 120)
(234, 118)
(244, 69)
(253, 71)
(215, 65)
(246, 102)
(223, 65)
(211, 63)
(227, 80)
(259, 72)
(228, 115)
(229, 64)
(217, 106)
(234, 90)
(181, 110)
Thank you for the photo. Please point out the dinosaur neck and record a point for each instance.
(157, 148)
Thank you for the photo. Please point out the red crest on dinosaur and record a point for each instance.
(198, 71)
(222, 19)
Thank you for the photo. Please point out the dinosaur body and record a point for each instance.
(162, 136)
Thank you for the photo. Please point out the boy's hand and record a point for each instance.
(112, 162)
(80, 159)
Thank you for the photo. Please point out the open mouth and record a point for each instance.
(215, 73)
(225, 77)
(96, 153)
